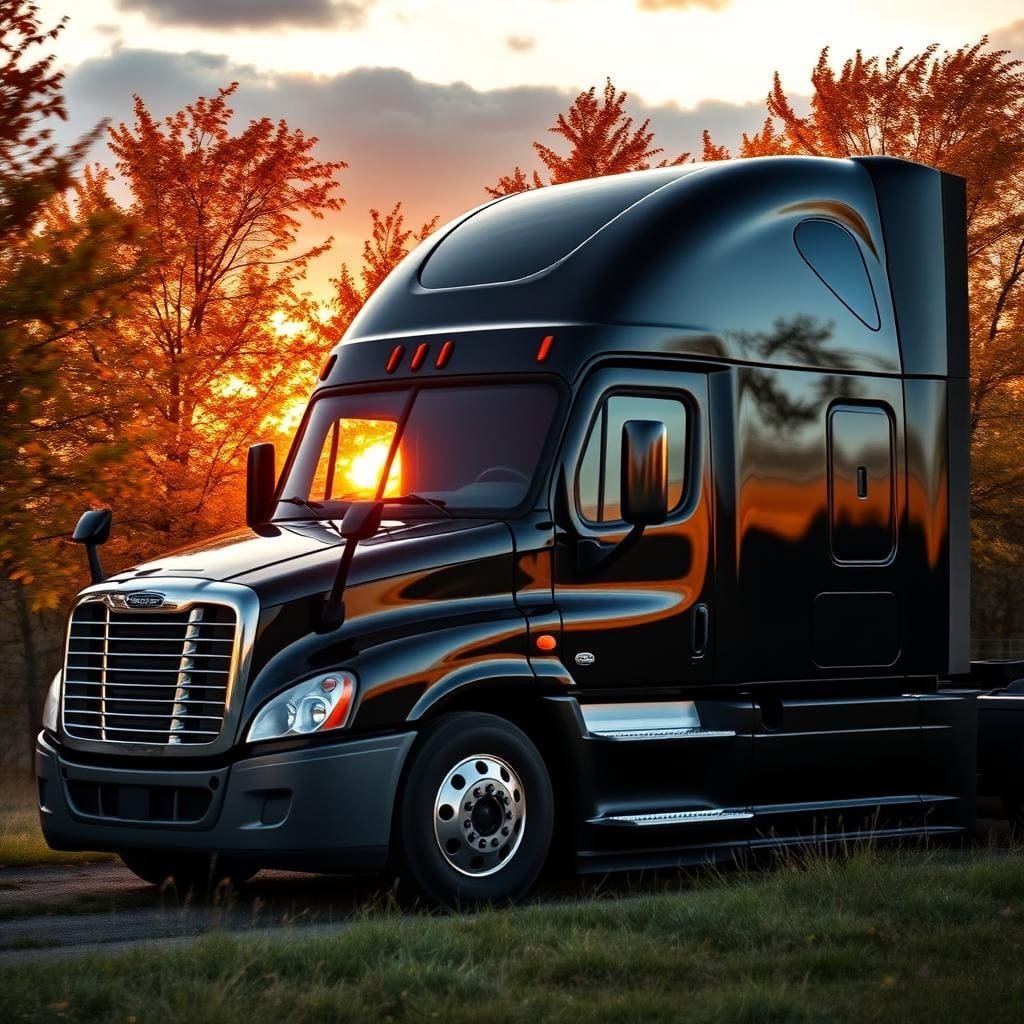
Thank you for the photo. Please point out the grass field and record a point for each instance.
(872, 937)
(21, 841)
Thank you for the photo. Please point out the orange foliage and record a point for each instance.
(602, 140)
(216, 349)
(389, 243)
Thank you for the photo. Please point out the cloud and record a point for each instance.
(252, 14)
(679, 5)
(520, 44)
(1009, 37)
(432, 146)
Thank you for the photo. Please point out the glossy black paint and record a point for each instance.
(807, 591)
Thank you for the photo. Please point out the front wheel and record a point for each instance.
(197, 871)
(476, 813)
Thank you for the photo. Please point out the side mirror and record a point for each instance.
(260, 479)
(93, 529)
(644, 487)
(362, 520)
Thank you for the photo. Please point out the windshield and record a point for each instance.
(450, 449)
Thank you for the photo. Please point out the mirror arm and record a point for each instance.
(92, 552)
(332, 613)
(362, 521)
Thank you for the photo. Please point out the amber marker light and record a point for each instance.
(444, 355)
(419, 355)
(325, 370)
(545, 348)
(546, 642)
(395, 358)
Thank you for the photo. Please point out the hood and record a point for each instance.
(286, 561)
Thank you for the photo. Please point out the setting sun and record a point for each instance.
(365, 468)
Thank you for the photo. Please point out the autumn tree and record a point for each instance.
(63, 277)
(602, 140)
(221, 334)
(963, 112)
(389, 243)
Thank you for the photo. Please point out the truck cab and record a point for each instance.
(628, 521)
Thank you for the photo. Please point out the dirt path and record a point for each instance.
(51, 912)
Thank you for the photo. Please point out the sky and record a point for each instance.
(430, 101)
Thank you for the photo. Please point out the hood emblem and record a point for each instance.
(144, 599)
(584, 658)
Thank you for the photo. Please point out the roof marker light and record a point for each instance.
(545, 348)
(395, 358)
(325, 370)
(419, 355)
(445, 354)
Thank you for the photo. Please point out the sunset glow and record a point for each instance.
(362, 452)
(365, 469)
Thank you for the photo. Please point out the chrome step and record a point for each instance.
(688, 733)
(665, 818)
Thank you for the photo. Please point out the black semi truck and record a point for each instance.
(628, 521)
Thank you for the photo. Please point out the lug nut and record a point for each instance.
(494, 842)
(504, 830)
(476, 792)
(489, 787)
(467, 824)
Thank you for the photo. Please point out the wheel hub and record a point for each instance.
(479, 815)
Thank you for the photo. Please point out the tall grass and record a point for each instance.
(867, 936)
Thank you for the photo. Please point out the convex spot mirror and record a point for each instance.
(644, 487)
(93, 526)
(93, 529)
(362, 520)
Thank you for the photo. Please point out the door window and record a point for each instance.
(599, 474)
(861, 483)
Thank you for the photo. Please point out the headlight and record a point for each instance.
(318, 704)
(51, 706)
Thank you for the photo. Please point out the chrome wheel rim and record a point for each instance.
(480, 815)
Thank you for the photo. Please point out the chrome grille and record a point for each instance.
(154, 677)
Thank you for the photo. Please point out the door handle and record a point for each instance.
(700, 629)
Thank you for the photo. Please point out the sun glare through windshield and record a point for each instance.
(468, 448)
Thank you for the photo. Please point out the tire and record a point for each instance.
(475, 814)
(197, 871)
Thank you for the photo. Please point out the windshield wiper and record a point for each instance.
(312, 506)
(420, 499)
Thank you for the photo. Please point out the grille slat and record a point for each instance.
(152, 700)
(148, 732)
(154, 676)
(148, 686)
(131, 714)
(99, 636)
(125, 654)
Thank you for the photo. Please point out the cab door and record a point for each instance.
(635, 614)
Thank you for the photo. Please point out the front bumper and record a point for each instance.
(322, 808)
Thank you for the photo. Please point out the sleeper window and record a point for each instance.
(834, 256)
(599, 475)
